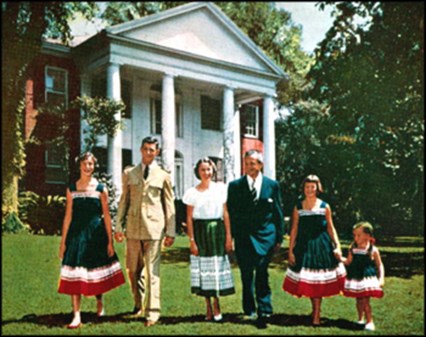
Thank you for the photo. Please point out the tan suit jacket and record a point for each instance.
(146, 209)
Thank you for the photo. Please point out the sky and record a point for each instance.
(314, 22)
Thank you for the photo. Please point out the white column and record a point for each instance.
(228, 134)
(115, 144)
(85, 90)
(168, 122)
(237, 144)
(268, 137)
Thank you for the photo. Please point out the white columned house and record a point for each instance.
(191, 78)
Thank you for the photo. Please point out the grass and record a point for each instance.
(32, 306)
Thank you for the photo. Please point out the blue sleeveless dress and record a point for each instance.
(86, 267)
(362, 280)
(317, 272)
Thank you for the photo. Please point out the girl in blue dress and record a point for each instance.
(366, 274)
(315, 270)
(90, 265)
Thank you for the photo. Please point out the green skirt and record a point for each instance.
(211, 273)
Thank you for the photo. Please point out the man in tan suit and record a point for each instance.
(146, 213)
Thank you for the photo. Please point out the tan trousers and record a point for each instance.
(143, 268)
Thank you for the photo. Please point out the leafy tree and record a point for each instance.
(23, 26)
(371, 76)
(100, 113)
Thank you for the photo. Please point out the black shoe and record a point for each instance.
(261, 322)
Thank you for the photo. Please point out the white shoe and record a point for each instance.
(217, 318)
(102, 313)
(361, 322)
(370, 326)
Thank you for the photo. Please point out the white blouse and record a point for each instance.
(207, 204)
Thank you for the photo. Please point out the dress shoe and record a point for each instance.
(250, 317)
(370, 326)
(149, 323)
(217, 318)
(74, 326)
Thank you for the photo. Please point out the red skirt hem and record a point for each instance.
(90, 289)
(300, 289)
(365, 293)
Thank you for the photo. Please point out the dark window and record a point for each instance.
(210, 113)
(126, 97)
(250, 120)
(101, 154)
(155, 115)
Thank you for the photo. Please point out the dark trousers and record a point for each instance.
(254, 278)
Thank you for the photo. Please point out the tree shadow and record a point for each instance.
(61, 320)
(398, 264)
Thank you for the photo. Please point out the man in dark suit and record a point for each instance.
(257, 224)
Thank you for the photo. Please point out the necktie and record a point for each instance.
(253, 193)
(146, 172)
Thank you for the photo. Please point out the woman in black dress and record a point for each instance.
(90, 265)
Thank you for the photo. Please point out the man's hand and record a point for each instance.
(119, 237)
(168, 241)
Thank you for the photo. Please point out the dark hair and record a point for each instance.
(84, 156)
(201, 161)
(312, 178)
(367, 228)
(256, 154)
(150, 140)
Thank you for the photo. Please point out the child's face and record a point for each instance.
(87, 166)
(310, 189)
(360, 237)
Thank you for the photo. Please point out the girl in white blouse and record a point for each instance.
(209, 232)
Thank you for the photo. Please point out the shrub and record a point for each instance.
(12, 223)
(43, 214)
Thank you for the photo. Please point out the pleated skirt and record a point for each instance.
(211, 273)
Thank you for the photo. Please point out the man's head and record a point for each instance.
(253, 161)
(149, 150)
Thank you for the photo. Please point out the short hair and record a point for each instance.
(312, 178)
(255, 154)
(84, 156)
(366, 227)
(150, 140)
(201, 161)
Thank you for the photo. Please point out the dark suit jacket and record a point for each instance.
(260, 225)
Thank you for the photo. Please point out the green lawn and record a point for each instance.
(32, 306)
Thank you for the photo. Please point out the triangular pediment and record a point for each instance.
(201, 29)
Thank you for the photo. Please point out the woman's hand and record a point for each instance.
(228, 245)
(193, 248)
(61, 250)
(110, 249)
(291, 259)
